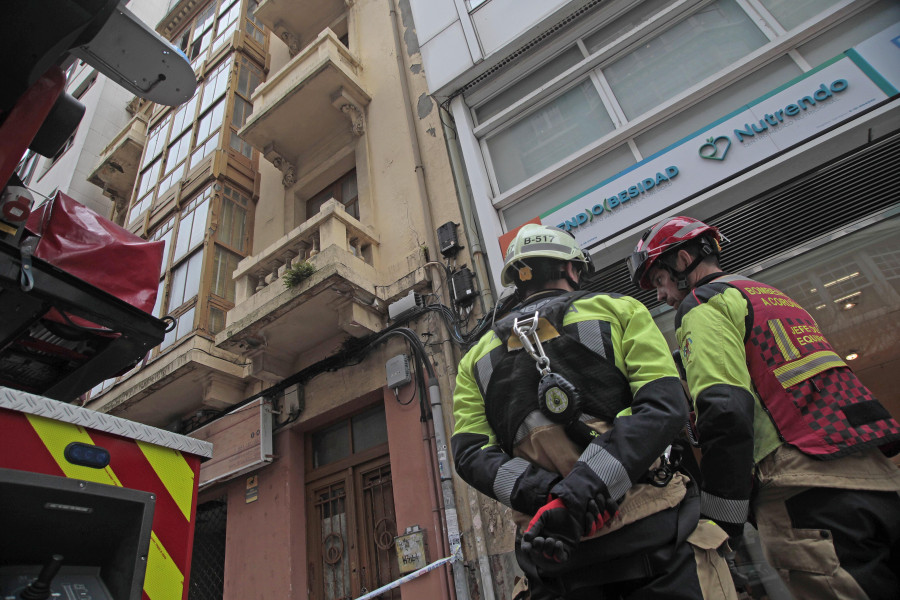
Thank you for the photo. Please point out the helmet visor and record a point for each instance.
(635, 264)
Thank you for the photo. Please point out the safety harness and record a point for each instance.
(569, 369)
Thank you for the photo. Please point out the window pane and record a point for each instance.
(719, 104)
(224, 265)
(185, 324)
(198, 228)
(216, 84)
(155, 142)
(234, 219)
(623, 24)
(216, 320)
(369, 429)
(177, 152)
(192, 226)
(210, 122)
(149, 179)
(242, 110)
(164, 234)
(139, 208)
(331, 444)
(791, 13)
(851, 32)
(205, 20)
(549, 134)
(585, 177)
(701, 45)
(249, 76)
(204, 151)
(252, 25)
(184, 117)
(528, 84)
(176, 294)
(186, 280)
(157, 307)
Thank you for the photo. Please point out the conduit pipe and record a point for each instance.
(450, 515)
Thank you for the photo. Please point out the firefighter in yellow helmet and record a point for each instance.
(567, 412)
(791, 439)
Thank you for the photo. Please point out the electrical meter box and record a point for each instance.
(106, 504)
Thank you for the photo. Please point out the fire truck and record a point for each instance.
(91, 506)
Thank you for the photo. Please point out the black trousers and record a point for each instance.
(865, 529)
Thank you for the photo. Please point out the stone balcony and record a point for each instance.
(273, 323)
(297, 23)
(310, 108)
(119, 163)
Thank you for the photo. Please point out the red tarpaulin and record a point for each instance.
(79, 241)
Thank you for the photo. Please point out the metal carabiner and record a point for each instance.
(526, 331)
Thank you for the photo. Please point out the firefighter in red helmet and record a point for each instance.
(791, 440)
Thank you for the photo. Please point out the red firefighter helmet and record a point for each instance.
(669, 234)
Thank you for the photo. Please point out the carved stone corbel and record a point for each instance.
(347, 105)
(286, 36)
(287, 168)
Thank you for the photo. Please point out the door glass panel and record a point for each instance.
(381, 529)
(369, 429)
(331, 511)
(330, 445)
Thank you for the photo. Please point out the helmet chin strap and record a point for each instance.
(680, 277)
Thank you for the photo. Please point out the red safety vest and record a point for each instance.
(817, 403)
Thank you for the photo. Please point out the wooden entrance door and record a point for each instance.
(351, 528)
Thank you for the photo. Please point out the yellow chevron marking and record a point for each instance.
(56, 436)
(164, 580)
(174, 472)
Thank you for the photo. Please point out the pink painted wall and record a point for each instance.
(413, 501)
(266, 540)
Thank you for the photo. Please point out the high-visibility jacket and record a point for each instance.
(761, 375)
(506, 448)
(817, 403)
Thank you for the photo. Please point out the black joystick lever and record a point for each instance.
(39, 589)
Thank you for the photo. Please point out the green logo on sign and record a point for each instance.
(712, 147)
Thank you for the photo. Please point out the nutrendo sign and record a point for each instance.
(829, 95)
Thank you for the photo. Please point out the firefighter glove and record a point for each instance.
(599, 513)
(552, 533)
(587, 497)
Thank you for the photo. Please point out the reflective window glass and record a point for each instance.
(547, 135)
(790, 13)
(699, 46)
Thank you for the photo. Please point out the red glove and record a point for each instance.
(552, 533)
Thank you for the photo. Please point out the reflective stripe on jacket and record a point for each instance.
(519, 464)
(815, 400)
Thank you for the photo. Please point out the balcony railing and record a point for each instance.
(332, 226)
(274, 324)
